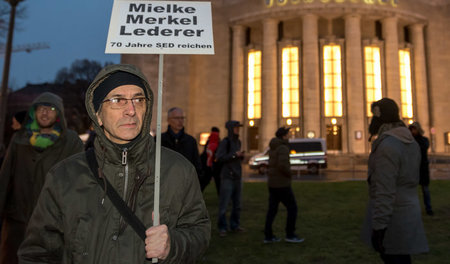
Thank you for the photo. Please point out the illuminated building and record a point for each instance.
(315, 65)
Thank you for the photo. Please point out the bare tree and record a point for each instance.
(5, 10)
(80, 70)
(4, 15)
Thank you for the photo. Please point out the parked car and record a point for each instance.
(305, 154)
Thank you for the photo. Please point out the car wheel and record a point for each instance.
(313, 169)
(262, 169)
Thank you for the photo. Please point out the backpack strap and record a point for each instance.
(114, 197)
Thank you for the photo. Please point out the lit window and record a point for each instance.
(332, 80)
(405, 83)
(372, 66)
(290, 82)
(254, 85)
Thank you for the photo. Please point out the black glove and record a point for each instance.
(377, 240)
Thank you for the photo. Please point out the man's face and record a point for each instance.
(236, 130)
(414, 131)
(122, 125)
(176, 120)
(46, 116)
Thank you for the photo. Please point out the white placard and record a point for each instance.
(160, 27)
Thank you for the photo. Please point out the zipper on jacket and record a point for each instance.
(125, 162)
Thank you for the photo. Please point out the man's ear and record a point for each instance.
(99, 120)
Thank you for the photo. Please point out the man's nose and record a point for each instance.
(130, 108)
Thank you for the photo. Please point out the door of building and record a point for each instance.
(334, 137)
(252, 138)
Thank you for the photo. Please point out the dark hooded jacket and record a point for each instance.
(24, 171)
(226, 153)
(279, 174)
(424, 144)
(75, 223)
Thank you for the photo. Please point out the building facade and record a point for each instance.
(316, 66)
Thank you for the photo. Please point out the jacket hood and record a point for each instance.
(276, 142)
(402, 133)
(229, 125)
(48, 98)
(103, 75)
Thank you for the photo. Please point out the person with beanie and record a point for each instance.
(42, 141)
(75, 221)
(393, 225)
(424, 144)
(280, 190)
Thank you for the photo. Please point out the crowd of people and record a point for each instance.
(63, 202)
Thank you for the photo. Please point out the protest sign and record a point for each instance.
(160, 27)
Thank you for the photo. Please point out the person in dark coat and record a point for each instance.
(393, 225)
(280, 190)
(76, 222)
(229, 153)
(424, 181)
(211, 168)
(41, 143)
(175, 138)
(17, 120)
(16, 125)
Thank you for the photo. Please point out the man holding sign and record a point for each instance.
(78, 221)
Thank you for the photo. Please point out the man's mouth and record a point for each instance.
(128, 125)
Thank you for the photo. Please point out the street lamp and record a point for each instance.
(5, 78)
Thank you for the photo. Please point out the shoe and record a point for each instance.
(271, 240)
(222, 233)
(430, 212)
(238, 230)
(294, 239)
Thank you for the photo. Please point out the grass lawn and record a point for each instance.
(330, 218)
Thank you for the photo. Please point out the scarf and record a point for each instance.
(39, 140)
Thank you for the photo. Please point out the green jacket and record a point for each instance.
(75, 223)
(279, 174)
(24, 171)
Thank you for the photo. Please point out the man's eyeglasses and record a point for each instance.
(120, 102)
(42, 108)
(178, 117)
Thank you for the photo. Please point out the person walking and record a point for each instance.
(280, 190)
(229, 153)
(424, 144)
(393, 225)
(76, 221)
(41, 142)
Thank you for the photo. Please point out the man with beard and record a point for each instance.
(43, 141)
(393, 224)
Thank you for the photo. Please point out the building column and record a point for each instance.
(354, 113)
(311, 87)
(390, 36)
(269, 109)
(237, 75)
(420, 76)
